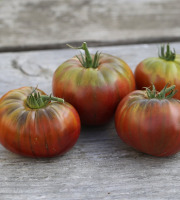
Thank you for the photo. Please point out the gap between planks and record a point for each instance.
(38, 47)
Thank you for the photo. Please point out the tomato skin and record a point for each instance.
(44, 132)
(159, 72)
(151, 126)
(94, 92)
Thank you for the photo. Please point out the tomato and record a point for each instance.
(159, 71)
(36, 125)
(150, 122)
(93, 84)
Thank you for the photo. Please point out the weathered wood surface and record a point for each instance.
(100, 166)
(32, 23)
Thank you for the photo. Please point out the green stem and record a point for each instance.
(168, 55)
(88, 62)
(36, 101)
(165, 93)
(88, 56)
(51, 98)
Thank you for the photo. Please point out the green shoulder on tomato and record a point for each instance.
(93, 84)
(159, 71)
(149, 120)
(36, 125)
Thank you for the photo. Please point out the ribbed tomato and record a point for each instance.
(159, 71)
(93, 84)
(150, 121)
(36, 125)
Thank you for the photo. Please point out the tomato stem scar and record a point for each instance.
(86, 60)
(165, 93)
(168, 55)
(36, 101)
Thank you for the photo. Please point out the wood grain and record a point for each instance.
(100, 166)
(45, 23)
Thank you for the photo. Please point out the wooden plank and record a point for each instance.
(100, 166)
(44, 23)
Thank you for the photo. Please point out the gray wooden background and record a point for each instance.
(51, 23)
(33, 34)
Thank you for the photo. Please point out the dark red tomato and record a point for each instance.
(93, 84)
(159, 71)
(150, 122)
(37, 126)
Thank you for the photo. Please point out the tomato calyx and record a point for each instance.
(86, 60)
(165, 93)
(168, 55)
(36, 101)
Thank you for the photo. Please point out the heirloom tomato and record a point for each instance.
(149, 121)
(36, 125)
(159, 71)
(93, 84)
